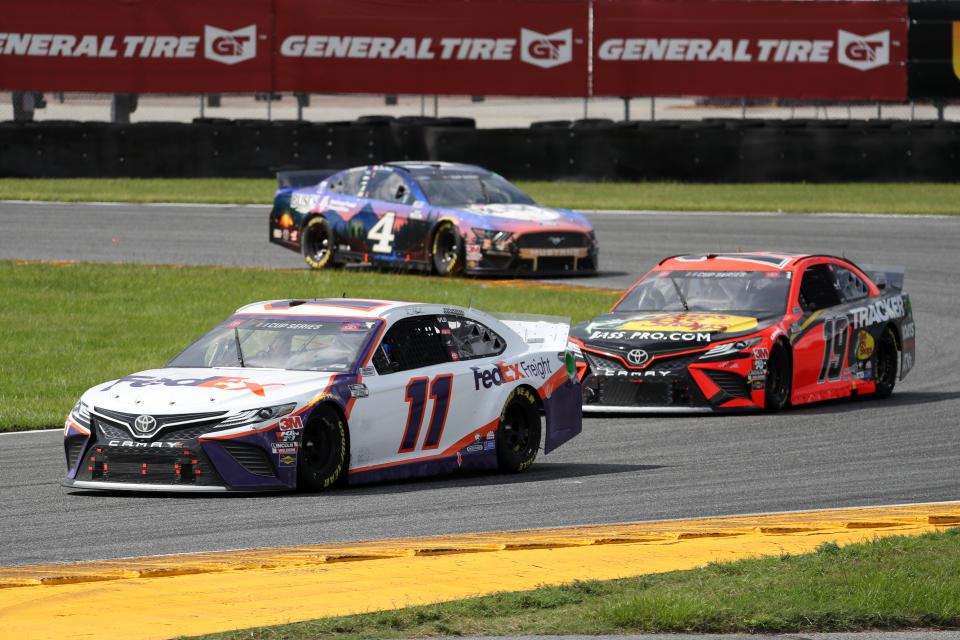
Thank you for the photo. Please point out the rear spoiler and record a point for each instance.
(885, 277)
(549, 331)
(303, 178)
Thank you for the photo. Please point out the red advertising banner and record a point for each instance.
(136, 46)
(739, 48)
(504, 47)
(478, 47)
(830, 49)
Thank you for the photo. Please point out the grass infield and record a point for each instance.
(69, 326)
(895, 582)
(901, 198)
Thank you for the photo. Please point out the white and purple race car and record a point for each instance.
(306, 394)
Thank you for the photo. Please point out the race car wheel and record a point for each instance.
(446, 250)
(518, 434)
(779, 378)
(885, 371)
(323, 450)
(317, 243)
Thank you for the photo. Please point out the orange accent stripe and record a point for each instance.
(77, 427)
(456, 446)
(554, 381)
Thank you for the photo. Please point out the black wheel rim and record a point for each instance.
(317, 451)
(516, 430)
(886, 361)
(445, 248)
(318, 243)
(777, 377)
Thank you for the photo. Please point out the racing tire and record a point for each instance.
(446, 250)
(323, 451)
(885, 368)
(518, 432)
(316, 241)
(779, 378)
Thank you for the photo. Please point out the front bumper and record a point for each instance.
(540, 253)
(178, 460)
(669, 385)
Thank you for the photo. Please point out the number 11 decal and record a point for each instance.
(416, 395)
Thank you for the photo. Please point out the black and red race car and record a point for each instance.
(747, 331)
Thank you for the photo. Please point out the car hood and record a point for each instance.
(176, 390)
(506, 216)
(659, 332)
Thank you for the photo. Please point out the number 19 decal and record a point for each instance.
(835, 335)
(416, 395)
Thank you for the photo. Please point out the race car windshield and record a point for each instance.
(456, 190)
(760, 293)
(284, 343)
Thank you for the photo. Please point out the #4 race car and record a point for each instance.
(307, 393)
(747, 331)
(432, 216)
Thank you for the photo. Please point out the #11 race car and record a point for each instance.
(443, 217)
(747, 331)
(307, 393)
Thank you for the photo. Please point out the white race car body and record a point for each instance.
(418, 389)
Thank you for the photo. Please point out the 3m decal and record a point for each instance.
(291, 422)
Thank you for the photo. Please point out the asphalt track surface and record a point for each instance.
(621, 469)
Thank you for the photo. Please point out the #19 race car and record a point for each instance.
(305, 393)
(432, 216)
(747, 331)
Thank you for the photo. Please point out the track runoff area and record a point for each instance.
(210, 592)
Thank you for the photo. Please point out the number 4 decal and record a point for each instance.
(416, 395)
(382, 232)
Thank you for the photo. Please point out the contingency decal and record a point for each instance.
(669, 327)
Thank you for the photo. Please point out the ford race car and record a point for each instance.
(307, 393)
(747, 331)
(433, 216)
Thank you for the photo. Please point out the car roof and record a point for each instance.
(740, 261)
(432, 169)
(361, 308)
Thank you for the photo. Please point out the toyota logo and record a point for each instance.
(637, 357)
(145, 424)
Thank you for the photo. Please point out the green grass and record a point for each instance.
(889, 583)
(68, 327)
(905, 198)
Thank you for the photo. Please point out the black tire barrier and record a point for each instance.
(712, 150)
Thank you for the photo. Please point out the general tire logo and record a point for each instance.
(863, 52)
(230, 47)
(637, 357)
(145, 424)
(546, 51)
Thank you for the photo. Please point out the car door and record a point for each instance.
(422, 402)
(819, 349)
(398, 233)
